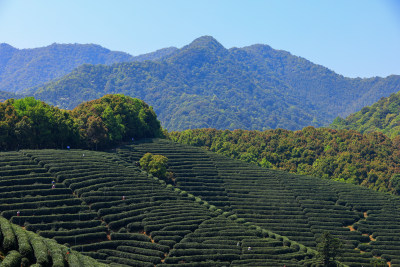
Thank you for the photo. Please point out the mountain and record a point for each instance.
(383, 116)
(7, 95)
(156, 55)
(24, 68)
(206, 85)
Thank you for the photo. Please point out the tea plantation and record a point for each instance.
(101, 205)
(299, 208)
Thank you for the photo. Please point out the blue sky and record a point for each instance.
(355, 38)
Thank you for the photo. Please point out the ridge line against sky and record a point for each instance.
(353, 38)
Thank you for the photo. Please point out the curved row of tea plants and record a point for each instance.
(299, 207)
(146, 219)
(19, 247)
(31, 197)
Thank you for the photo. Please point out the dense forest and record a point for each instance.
(205, 85)
(382, 116)
(370, 160)
(30, 123)
(24, 68)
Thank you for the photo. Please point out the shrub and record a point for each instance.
(12, 259)
(154, 164)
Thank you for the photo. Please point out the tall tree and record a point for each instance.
(328, 248)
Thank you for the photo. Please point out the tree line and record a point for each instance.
(30, 123)
(371, 159)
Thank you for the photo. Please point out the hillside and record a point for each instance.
(7, 95)
(100, 123)
(219, 212)
(112, 211)
(383, 116)
(24, 68)
(371, 160)
(298, 207)
(205, 85)
(19, 247)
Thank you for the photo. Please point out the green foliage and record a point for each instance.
(12, 259)
(155, 165)
(115, 118)
(205, 85)
(33, 249)
(383, 116)
(395, 183)
(30, 123)
(328, 248)
(343, 155)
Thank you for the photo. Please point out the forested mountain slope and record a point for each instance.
(383, 116)
(24, 68)
(7, 95)
(371, 160)
(206, 85)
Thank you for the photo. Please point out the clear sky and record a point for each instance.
(355, 38)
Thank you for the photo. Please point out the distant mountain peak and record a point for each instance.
(207, 42)
(7, 46)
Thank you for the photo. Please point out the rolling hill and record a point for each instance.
(371, 159)
(205, 85)
(383, 116)
(24, 68)
(217, 211)
(298, 207)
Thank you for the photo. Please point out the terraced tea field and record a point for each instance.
(297, 207)
(108, 209)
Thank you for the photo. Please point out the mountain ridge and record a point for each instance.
(204, 85)
(24, 68)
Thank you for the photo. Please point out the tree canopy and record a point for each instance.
(30, 123)
(328, 248)
(383, 116)
(154, 164)
(369, 159)
(206, 85)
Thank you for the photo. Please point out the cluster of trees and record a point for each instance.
(30, 123)
(371, 160)
(154, 164)
(205, 85)
(383, 116)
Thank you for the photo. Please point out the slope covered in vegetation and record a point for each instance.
(105, 208)
(19, 247)
(206, 85)
(370, 160)
(24, 68)
(383, 116)
(30, 123)
(297, 207)
(215, 211)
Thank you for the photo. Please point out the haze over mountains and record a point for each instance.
(206, 85)
(23, 68)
